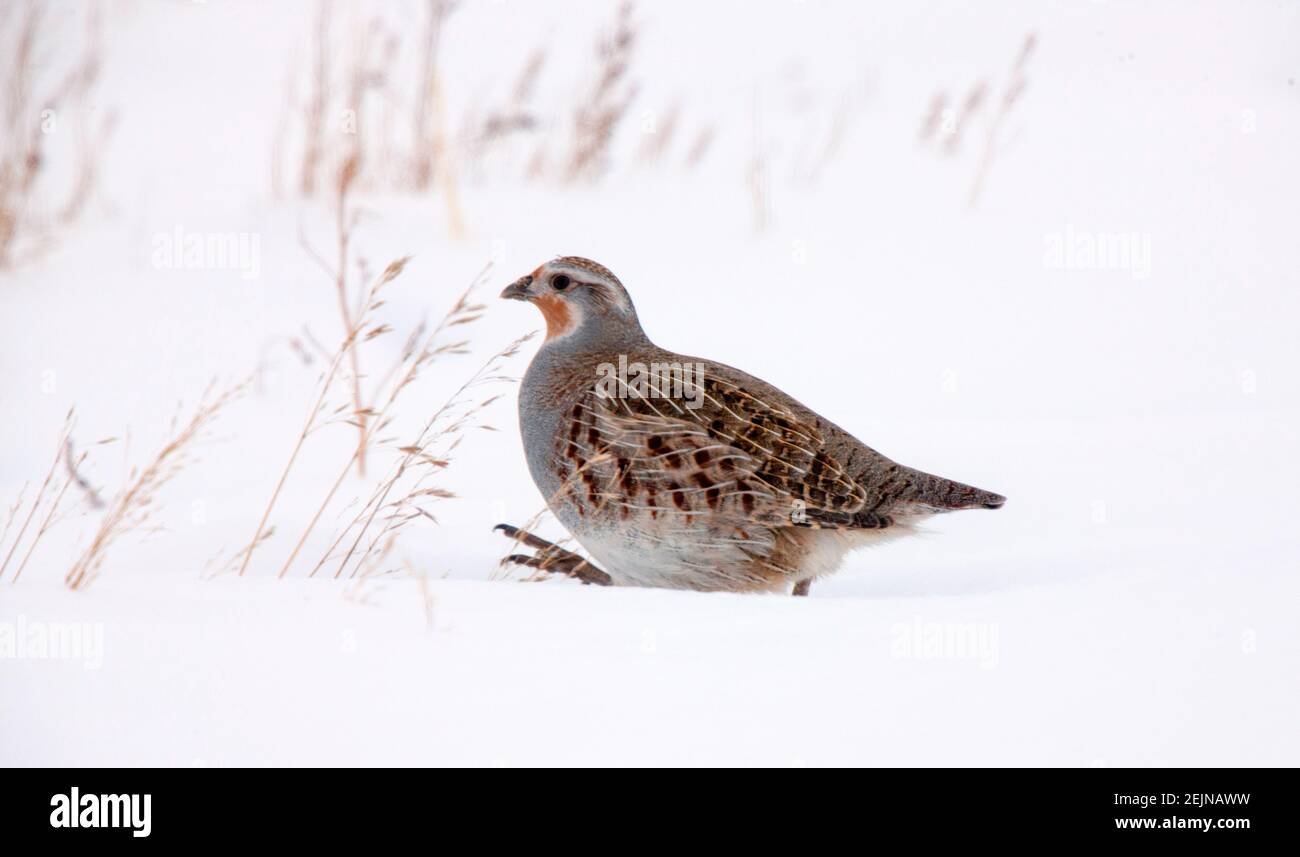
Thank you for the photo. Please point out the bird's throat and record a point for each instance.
(561, 319)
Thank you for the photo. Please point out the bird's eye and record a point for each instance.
(560, 282)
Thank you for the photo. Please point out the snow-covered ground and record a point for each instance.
(1133, 604)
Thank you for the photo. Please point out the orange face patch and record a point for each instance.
(558, 315)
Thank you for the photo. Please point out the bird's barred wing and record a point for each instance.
(709, 449)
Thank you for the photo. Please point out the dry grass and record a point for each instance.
(418, 355)
(428, 137)
(600, 113)
(68, 422)
(948, 122)
(1011, 93)
(826, 144)
(659, 138)
(345, 223)
(400, 133)
(333, 117)
(317, 415)
(699, 149)
(373, 412)
(489, 132)
(404, 141)
(50, 515)
(314, 113)
(133, 508)
(41, 100)
(406, 494)
(371, 108)
(11, 515)
(517, 115)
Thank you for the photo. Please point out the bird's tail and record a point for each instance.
(946, 495)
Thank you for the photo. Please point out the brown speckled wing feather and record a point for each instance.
(737, 457)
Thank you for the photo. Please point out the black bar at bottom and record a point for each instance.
(234, 806)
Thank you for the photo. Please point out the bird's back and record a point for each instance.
(890, 486)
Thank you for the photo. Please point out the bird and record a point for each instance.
(677, 472)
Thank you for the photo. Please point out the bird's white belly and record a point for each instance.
(698, 559)
(677, 558)
(636, 557)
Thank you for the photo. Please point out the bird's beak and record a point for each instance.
(518, 290)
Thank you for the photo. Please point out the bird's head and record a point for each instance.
(580, 300)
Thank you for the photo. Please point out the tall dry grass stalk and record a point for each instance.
(699, 149)
(317, 415)
(369, 415)
(427, 135)
(948, 121)
(11, 515)
(367, 102)
(350, 308)
(68, 422)
(659, 138)
(485, 130)
(132, 508)
(971, 106)
(49, 520)
(432, 153)
(401, 502)
(826, 146)
(35, 110)
(598, 116)
(345, 226)
(1015, 88)
(318, 103)
(418, 355)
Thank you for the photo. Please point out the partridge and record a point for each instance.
(677, 472)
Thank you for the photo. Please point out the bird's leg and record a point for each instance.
(553, 558)
(573, 565)
(802, 587)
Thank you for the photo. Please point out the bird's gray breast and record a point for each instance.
(548, 390)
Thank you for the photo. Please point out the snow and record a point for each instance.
(1131, 605)
(225, 673)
